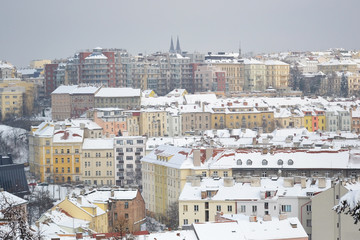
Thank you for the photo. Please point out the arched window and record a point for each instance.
(264, 162)
(280, 162)
(239, 162)
(248, 162)
(290, 162)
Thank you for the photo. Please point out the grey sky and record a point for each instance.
(57, 29)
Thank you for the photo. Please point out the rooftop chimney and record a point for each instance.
(288, 182)
(322, 182)
(208, 153)
(228, 181)
(303, 182)
(196, 157)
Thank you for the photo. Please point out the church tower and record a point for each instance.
(172, 50)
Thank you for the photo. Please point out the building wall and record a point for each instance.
(130, 213)
(128, 153)
(154, 123)
(326, 223)
(98, 167)
(61, 106)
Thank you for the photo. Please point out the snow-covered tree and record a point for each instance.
(350, 204)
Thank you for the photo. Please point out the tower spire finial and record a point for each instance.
(178, 49)
(172, 50)
(239, 50)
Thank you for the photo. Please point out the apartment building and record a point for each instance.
(97, 162)
(267, 198)
(113, 121)
(50, 78)
(128, 153)
(194, 118)
(11, 102)
(235, 73)
(154, 122)
(55, 149)
(335, 65)
(126, 98)
(277, 74)
(254, 74)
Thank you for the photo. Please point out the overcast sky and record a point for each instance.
(41, 29)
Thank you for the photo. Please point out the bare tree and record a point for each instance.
(16, 225)
(40, 202)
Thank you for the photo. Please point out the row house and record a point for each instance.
(72, 101)
(201, 199)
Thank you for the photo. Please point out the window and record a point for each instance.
(264, 162)
(56, 170)
(290, 162)
(129, 149)
(47, 151)
(186, 222)
(67, 150)
(242, 208)
(126, 205)
(56, 160)
(203, 174)
(248, 162)
(196, 220)
(62, 170)
(185, 208)
(126, 215)
(308, 222)
(266, 205)
(68, 169)
(254, 208)
(76, 150)
(280, 162)
(215, 173)
(68, 160)
(286, 208)
(48, 160)
(226, 173)
(47, 143)
(76, 160)
(62, 160)
(196, 208)
(229, 208)
(308, 208)
(239, 162)
(218, 208)
(77, 170)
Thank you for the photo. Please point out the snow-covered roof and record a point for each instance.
(75, 89)
(99, 143)
(68, 135)
(118, 92)
(195, 98)
(177, 156)
(275, 62)
(103, 195)
(8, 200)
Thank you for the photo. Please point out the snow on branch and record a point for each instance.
(350, 204)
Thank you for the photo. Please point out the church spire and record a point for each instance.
(178, 49)
(239, 50)
(172, 50)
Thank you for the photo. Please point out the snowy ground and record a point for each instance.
(45, 115)
(14, 141)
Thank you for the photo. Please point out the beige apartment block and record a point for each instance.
(234, 73)
(326, 223)
(255, 75)
(98, 166)
(153, 122)
(277, 74)
(11, 102)
(335, 65)
(194, 118)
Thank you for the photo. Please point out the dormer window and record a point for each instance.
(280, 162)
(264, 162)
(248, 162)
(290, 162)
(239, 162)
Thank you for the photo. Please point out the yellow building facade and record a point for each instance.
(235, 72)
